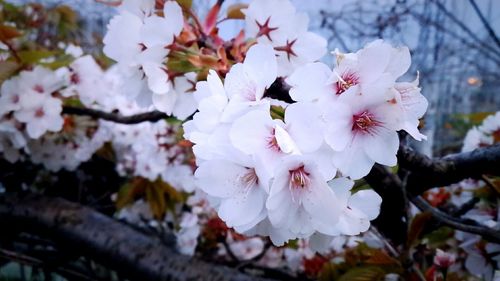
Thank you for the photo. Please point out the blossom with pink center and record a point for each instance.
(301, 201)
(10, 97)
(267, 20)
(443, 259)
(41, 113)
(136, 39)
(413, 106)
(246, 82)
(368, 72)
(277, 23)
(240, 189)
(361, 135)
(256, 133)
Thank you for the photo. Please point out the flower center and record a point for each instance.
(250, 178)
(272, 142)
(365, 122)
(39, 113)
(38, 88)
(299, 178)
(345, 81)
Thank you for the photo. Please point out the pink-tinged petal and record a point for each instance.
(244, 207)
(304, 125)
(366, 201)
(252, 224)
(284, 141)
(250, 132)
(373, 60)
(310, 82)
(382, 146)
(339, 131)
(323, 158)
(239, 85)
(260, 64)
(399, 62)
(353, 161)
(220, 178)
(280, 206)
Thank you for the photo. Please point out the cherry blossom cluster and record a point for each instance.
(276, 175)
(151, 150)
(279, 24)
(486, 134)
(32, 125)
(137, 38)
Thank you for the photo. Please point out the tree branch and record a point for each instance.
(392, 181)
(152, 116)
(427, 173)
(490, 30)
(485, 232)
(134, 254)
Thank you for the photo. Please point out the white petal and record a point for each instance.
(173, 16)
(250, 132)
(220, 178)
(366, 201)
(165, 102)
(304, 125)
(260, 64)
(310, 82)
(382, 146)
(243, 208)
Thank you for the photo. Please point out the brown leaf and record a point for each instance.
(8, 32)
(235, 11)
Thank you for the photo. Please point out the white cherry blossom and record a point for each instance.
(301, 201)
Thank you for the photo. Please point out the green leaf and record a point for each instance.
(59, 62)
(7, 69)
(329, 272)
(31, 57)
(277, 112)
(365, 273)
(439, 237)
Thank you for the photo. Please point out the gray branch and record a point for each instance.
(114, 244)
(152, 116)
(426, 173)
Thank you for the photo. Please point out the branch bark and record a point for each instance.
(152, 116)
(427, 173)
(114, 244)
(486, 233)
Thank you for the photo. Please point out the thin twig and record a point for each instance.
(485, 232)
(152, 116)
(490, 30)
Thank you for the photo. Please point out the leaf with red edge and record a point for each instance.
(8, 32)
